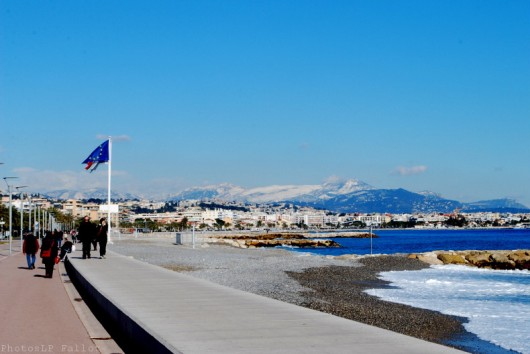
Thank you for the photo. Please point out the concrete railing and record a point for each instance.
(179, 238)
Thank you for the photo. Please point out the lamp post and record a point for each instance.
(42, 221)
(10, 191)
(37, 220)
(21, 196)
(44, 226)
(30, 224)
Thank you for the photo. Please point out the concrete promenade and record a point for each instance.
(155, 310)
(41, 315)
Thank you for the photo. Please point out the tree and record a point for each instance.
(63, 218)
(238, 225)
(301, 225)
(399, 224)
(146, 224)
(183, 224)
(4, 217)
(126, 224)
(173, 226)
(219, 223)
(456, 220)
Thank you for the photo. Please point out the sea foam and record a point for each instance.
(496, 302)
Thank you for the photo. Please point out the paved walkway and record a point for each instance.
(158, 310)
(38, 314)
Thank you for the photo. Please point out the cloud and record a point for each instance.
(42, 181)
(24, 170)
(334, 179)
(407, 171)
(46, 180)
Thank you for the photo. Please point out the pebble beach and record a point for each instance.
(329, 284)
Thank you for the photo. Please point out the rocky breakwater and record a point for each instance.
(518, 259)
(352, 234)
(270, 240)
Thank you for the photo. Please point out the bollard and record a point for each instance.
(178, 238)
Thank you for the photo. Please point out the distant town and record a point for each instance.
(145, 216)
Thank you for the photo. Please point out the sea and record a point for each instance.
(496, 303)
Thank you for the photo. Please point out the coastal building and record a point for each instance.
(373, 219)
(194, 215)
(162, 218)
(213, 214)
(245, 216)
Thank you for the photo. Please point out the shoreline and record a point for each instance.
(334, 292)
(333, 285)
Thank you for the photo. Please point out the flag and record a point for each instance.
(100, 154)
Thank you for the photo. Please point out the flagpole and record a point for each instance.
(108, 192)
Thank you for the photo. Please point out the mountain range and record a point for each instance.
(339, 196)
(93, 193)
(348, 197)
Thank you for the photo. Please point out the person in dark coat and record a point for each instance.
(86, 233)
(58, 236)
(65, 248)
(48, 254)
(102, 237)
(30, 247)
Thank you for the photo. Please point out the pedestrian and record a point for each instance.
(58, 238)
(30, 247)
(48, 254)
(73, 233)
(65, 248)
(102, 237)
(86, 233)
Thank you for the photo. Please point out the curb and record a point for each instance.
(97, 333)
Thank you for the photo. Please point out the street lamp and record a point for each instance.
(9, 190)
(21, 195)
(30, 224)
(37, 219)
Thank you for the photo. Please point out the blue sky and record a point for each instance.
(421, 95)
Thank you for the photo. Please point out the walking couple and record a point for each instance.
(89, 234)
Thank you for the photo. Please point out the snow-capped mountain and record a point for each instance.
(395, 201)
(501, 205)
(224, 191)
(95, 193)
(277, 193)
(333, 189)
(341, 196)
(347, 196)
(274, 193)
(335, 195)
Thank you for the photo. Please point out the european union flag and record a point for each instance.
(100, 154)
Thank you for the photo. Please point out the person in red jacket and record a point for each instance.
(30, 247)
(48, 254)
